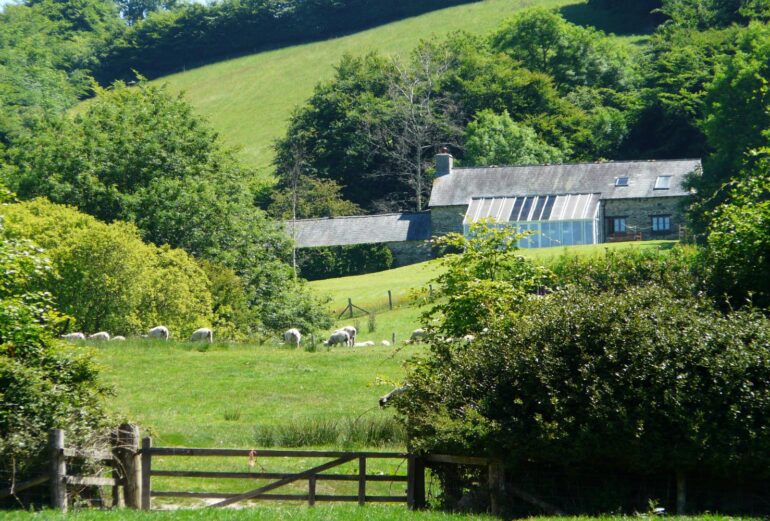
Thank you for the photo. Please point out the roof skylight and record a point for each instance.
(663, 182)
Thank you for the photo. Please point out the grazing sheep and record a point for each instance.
(100, 336)
(395, 392)
(74, 336)
(338, 337)
(368, 343)
(416, 336)
(386, 343)
(118, 338)
(469, 338)
(203, 334)
(158, 332)
(292, 337)
(352, 332)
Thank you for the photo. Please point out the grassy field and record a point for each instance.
(238, 395)
(249, 99)
(371, 291)
(319, 513)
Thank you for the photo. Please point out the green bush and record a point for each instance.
(642, 382)
(44, 383)
(107, 278)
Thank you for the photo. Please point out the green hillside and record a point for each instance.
(249, 99)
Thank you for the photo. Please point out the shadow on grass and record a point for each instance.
(617, 21)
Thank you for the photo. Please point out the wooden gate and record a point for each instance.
(414, 497)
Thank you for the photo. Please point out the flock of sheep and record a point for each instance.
(346, 336)
(203, 334)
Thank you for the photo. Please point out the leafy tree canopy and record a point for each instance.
(494, 139)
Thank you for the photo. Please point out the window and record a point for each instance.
(663, 182)
(617, 225)
(661, 223)
(621, 181)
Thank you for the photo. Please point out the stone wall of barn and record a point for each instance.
(447, 219)
(639, 213)
(410, 252)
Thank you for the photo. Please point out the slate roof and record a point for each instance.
(462, 184)
(361, 229)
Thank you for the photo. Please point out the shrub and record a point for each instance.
(107, 278)
(642, 382)
(44, 383)
(677, 269)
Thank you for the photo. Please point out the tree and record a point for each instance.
(315, 198)
(413, 118)
(494, 139)
(44, 383)
(484, 280)
(134, 11)
(543, 41)
(738, 243)
(141, 155)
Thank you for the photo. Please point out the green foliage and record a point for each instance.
(343, 261)
(678, 270)
(141, 155)
(484, 282)
(314, 198)
(107, 278)
(43, 382)
(738, 244)
(705, 14)
(494, 139)
(641, 382)
(543, 41)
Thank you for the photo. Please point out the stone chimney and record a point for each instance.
(444, 162)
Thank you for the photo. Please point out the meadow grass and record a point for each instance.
(371, 291)
(261, 513)
(248, 100)
(318, 513)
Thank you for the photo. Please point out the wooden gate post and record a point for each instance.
(496, 486)
(129, 460)
(362, 481)
(146, 468)
(415, 484)
(390, 300)
(58, 470)
(311, 481)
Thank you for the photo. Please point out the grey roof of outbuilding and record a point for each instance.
(461, 184)
(361, 229)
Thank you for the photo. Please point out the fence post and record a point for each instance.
(311, 491)
(393, 339)
(362, 481)
(415, 483)
(58, 470)
(146, 468)
(496, 486)
(129, 459)
(350, 306)
(390, 300)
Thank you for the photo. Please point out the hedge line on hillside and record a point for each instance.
(169, 41)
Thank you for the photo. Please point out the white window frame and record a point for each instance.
(663, 182)
(656, 220)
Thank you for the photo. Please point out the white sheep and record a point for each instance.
(100, 336)
(386, 343)
(118, 338)
(203, 334)
(74, 336)
(292, 337)
(338, 337)
(352, 332)
(158, 332)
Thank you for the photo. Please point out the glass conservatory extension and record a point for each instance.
(555, 220)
